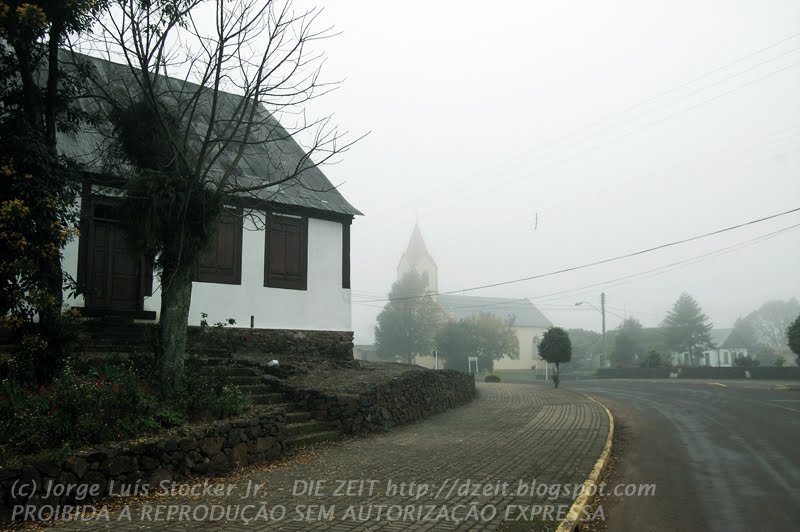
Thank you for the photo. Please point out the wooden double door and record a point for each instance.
(115, 278)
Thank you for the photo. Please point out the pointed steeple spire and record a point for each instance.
(417, 258)
(417, 251)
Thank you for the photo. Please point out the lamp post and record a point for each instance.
(602, 311)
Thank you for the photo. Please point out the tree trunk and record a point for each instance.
(49, 361)
(176, 296)
(557, 378)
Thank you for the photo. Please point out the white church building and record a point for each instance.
(529, 323)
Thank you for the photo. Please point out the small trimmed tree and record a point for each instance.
(555, 348)
(793, 335)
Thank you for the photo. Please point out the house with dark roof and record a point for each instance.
(280, 258)
(529, 323)
(727, 348)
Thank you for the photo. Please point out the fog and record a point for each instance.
(528, 137)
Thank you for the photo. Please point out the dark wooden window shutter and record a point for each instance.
(221, 260)
(346, 255)
(286, 252)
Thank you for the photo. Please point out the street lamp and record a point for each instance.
(602, 311)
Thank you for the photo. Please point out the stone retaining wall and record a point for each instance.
(284, 345)
(412, 396)
(108, 470)
(224, 445)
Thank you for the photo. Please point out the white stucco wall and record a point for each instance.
(711, 357)
(69, 265)
(324, 305)
(528, 354)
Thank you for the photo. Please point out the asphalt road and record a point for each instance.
(724, 455)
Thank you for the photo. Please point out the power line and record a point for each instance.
(665, 268)
(618, 120)
(703, 76)
(624, 279)
(595, 263)
(658, 271)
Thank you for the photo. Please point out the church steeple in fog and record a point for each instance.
(417, 258)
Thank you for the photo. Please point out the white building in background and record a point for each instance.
(280, 258)
(529, 323)
(727, 349)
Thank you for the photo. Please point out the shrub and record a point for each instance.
(492, 377)
(229, 402)
(78, 409)
(655, 360)
(204, 394)
(746, 362)
(106, 399)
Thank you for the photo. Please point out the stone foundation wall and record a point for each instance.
(108, 470)
(284, 345)
(412, 396)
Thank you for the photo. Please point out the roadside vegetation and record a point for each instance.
(107, 398)
(765, 334)
(413, 325)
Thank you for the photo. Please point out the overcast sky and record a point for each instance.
(619, 125)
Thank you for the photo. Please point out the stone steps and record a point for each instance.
(209, 353)
(298, 417)
(256, 389)
(304, 428)
(213, 362)
(311, 439)
(301, 427)
(244, 371)
(272, 399)
(245, 380)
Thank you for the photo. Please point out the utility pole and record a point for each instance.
(603, 312)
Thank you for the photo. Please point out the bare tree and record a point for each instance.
(770, 321)
(191, 112)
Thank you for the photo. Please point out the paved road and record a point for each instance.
(725, 455)
(510, 433)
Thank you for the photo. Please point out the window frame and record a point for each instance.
(238, 235)
(272, 280)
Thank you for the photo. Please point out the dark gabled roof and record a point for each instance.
(720, 336)
(525, 314)
(273, 157)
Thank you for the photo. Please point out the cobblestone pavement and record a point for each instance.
(460, 470)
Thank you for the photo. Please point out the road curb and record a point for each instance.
(573, 520)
